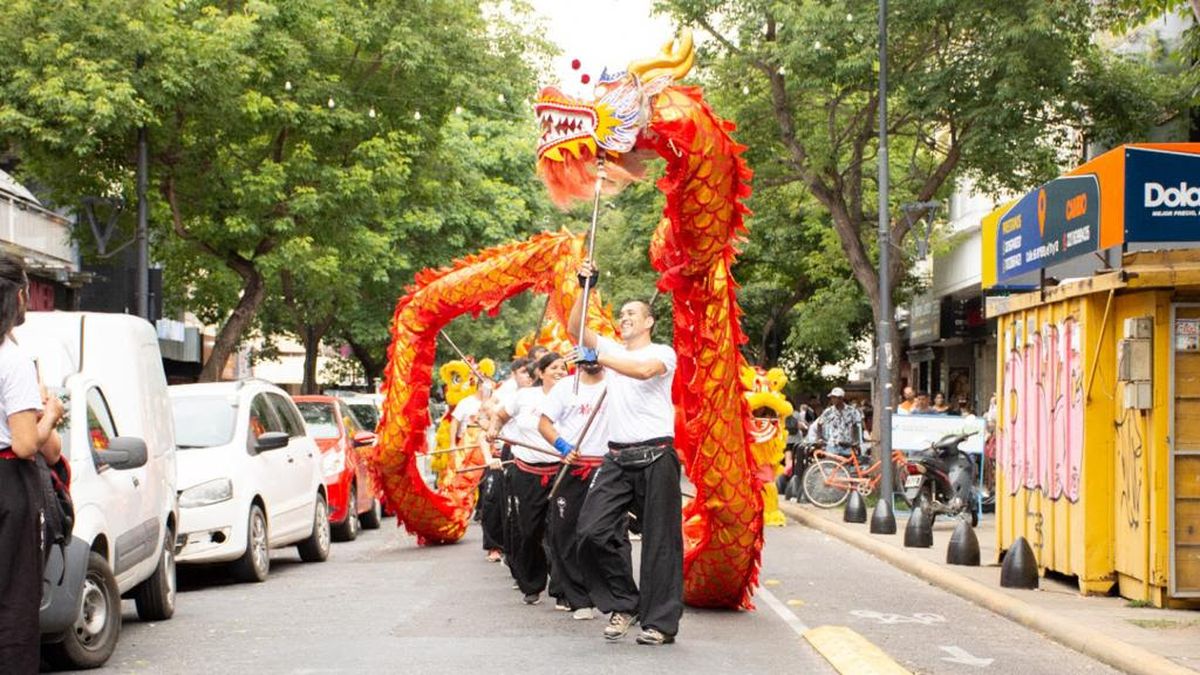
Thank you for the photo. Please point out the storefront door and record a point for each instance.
(1185, 451)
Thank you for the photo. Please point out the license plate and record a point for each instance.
(912, 481)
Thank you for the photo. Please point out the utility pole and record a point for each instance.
(883, 520)
(141, 285)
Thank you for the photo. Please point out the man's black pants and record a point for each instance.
(493, 502)
(528, 555)
(653, 493)
(563, 535)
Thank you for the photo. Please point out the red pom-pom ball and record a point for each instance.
(585, 79)
(574, 64)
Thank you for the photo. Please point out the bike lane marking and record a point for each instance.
(846, 650)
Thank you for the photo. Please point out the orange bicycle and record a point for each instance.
(830, 478)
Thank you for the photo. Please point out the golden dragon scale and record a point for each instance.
(479, 283)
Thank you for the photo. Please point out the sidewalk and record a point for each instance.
(1133, 639)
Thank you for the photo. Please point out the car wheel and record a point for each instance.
(92, 639)
(316, 547)
(347, 530)
(155, 597)
(255, 563)
(370, 519)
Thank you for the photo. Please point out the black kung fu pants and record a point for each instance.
(21, 562)
(530, 566)
(493, 502)
(563, 536)
(653, 493)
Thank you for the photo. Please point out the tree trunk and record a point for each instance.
(254, 291)
(311, 342)
(371, 369)
(311, 335)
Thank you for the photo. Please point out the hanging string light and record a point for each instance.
(417, 116)
(371, 112)
(331, 104)
(287, 86)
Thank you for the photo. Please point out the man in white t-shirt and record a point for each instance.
(640, 473)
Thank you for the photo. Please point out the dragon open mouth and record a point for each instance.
(565, 124)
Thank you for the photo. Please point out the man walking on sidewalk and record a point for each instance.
(641, 473)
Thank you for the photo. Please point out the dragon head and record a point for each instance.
(576, 132)
(460, 381)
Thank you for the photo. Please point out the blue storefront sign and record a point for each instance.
(1058, 221)
(1162, 195)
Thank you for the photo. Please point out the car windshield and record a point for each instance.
(319, 419)
(203, 421)
(366, 414)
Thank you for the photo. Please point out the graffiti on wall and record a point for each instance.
(1129, 452)
(1041, 441)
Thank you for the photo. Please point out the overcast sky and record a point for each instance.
(601, 33)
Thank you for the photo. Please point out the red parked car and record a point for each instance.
(353, 500)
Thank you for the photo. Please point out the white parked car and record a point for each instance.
(249, 477)
(120, 444)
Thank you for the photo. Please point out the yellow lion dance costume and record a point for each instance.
(769, 408)
(460, 383)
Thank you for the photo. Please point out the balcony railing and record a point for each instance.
(37, 229)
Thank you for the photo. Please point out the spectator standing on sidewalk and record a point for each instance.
(840, 425)
(640, 473)
(27, 421)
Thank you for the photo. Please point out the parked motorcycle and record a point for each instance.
(943, 479)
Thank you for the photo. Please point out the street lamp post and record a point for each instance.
(141, 285)
(883, 520)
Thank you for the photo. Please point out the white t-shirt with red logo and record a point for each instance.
(639, 410)
(569, 411)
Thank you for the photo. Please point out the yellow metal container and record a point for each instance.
(1098, 453)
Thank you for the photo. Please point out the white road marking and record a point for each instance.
(887, 619)
(960, 655)
(789, 617)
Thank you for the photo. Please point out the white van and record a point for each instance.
(120, 441)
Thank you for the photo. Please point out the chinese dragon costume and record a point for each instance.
(634, 115)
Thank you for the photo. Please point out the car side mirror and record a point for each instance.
(124, 453)
(272, 440)
(363, 439)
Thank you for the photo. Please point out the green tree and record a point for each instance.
(275, 128)
(986, 88)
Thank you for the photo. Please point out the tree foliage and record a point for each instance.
(996, 90)
(288, 139)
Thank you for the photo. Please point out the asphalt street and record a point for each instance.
(381, 604)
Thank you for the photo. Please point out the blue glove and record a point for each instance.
(563, 447)
(587, 355)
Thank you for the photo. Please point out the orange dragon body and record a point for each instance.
(634, 115)
(479, 283)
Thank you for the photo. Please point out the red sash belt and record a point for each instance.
(585, 467)
(546, 471)
(7, 453)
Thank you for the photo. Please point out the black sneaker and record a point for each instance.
(532, 598)
(653, 636)
(618, 625)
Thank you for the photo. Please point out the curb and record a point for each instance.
(1120, 655)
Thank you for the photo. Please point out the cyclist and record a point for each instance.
(840, 426)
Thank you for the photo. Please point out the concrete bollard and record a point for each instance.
(964, 545)
(1020, 568)
(856, 508)
(919, 531)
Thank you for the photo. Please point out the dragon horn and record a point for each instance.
(675, 60)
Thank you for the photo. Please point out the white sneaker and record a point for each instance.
(583, 614)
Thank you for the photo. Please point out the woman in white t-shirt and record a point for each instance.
(530, 476)
(27, 421)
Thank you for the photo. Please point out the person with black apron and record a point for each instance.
(493, 492)
(530, 477)
(27, 422)
(565, 414)
(640, 473)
